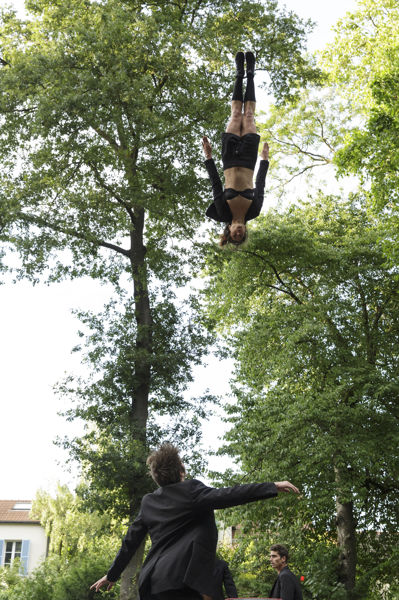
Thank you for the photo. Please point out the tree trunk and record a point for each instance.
(346, 534)
(143, 346)
(129, 589)
(140, 388)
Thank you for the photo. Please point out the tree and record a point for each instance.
(56, 579)
(313, 558)
(372, 154)
(363, 63)
(70, 528)
(304, 135)
(101, 106)
(361, 50)
(311, 314)
(113, 464)
(81, 546)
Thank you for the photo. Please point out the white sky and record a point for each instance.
(38, 331)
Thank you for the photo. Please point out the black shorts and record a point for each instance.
(240, 151)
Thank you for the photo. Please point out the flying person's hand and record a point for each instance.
(265, 152)
(206, 147)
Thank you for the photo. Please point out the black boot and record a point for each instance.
(240, 64)
(250, 91)
(237, 91)
(250, 60)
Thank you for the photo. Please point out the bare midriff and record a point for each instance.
(239, 178)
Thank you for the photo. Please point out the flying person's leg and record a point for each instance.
(235, 123)
(249, 125)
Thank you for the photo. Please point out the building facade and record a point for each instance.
(21, 537)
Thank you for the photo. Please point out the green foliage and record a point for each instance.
(9, 577)
(102, 105)
(82, 545)
(305, 135)
(372, 152)
(379, 562)
(72, 530)
(250, 569)
(363, 63)
(38, 586)
(311, 314)
(75, 582)
(363, 48)
(314, 558)
(58, 579)
(111, 457)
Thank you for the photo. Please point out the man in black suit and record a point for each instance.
(223, 577)
(286, 586)
(180, 520)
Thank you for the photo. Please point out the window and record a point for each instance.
(13, 550)
(22, 506)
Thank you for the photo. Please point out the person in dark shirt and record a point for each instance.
(286, 586)
(180, 520)
(239, 202)
(223, 578)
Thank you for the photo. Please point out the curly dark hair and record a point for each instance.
(281, 551)
(226, 238)
(165, 465)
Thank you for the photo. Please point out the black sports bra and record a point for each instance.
(230, 193)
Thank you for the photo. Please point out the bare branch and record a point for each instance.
(39, 221)
(322, 136)
(105, 136)
(112, 192)
(313, 155)
(301, 172)
(285, 289)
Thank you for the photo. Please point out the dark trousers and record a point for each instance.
(181, 594)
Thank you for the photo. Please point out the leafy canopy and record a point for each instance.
(310, 311)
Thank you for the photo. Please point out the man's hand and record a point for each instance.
(265, 152)
(101, 582)
(206, 147)
(286, 486)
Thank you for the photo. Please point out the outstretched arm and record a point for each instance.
(217, 211)
(260, 181)
(217, 187)
(212, 498)
(135, 535)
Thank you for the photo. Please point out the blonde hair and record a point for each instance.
(226, 238)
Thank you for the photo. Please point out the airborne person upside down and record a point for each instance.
(239, 202)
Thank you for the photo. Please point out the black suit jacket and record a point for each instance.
(181, 523)
(219, 210)
(223, 577)
(286, 586)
